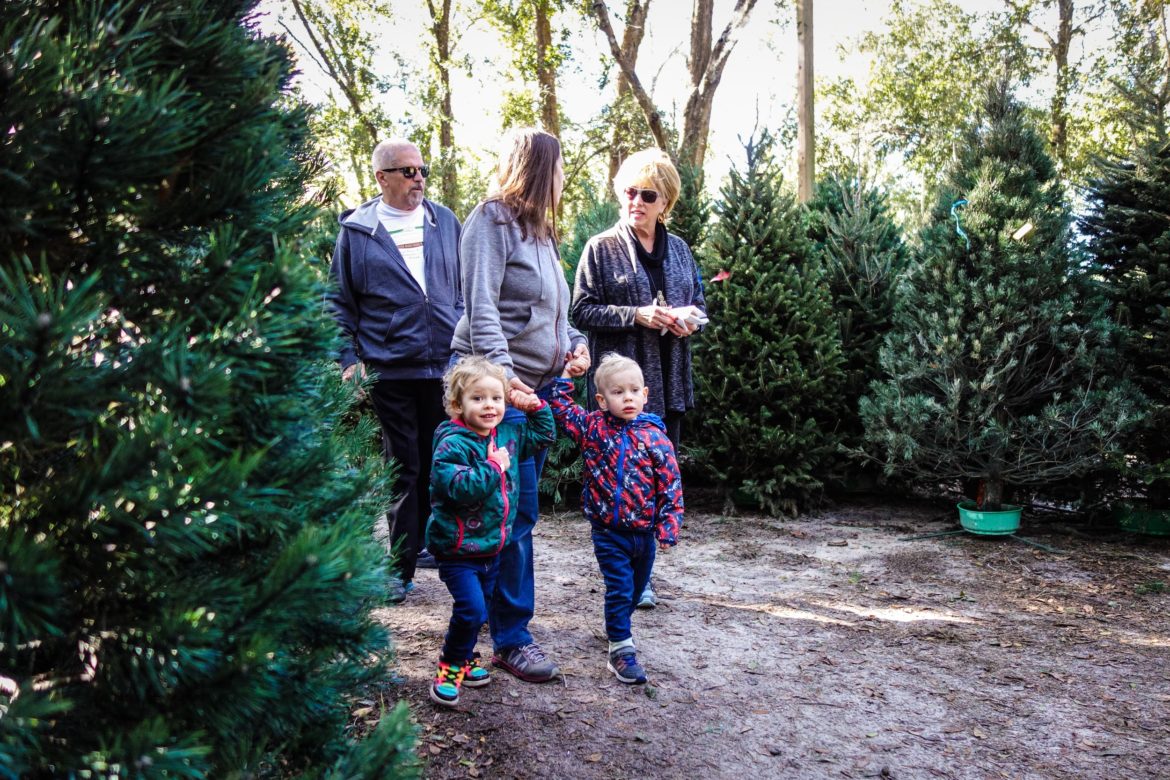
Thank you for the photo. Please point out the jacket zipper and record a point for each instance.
(621, 473)
(504, 495)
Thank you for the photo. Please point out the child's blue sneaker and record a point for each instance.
(474, 674)
(624, 665)
(445, 686)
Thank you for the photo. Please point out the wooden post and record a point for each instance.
(805, 135)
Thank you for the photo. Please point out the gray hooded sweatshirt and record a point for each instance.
(516, 296)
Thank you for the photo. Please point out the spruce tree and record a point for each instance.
(1129, 227)
(690, 219)
(996, 367)
(863, 253)
(186, 559)
(768, 366)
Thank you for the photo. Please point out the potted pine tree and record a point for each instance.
(994, 370)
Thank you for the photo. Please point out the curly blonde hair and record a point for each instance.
(465, 372)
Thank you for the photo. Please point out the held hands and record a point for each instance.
(521, 396)
(577, 362)
(499, 456)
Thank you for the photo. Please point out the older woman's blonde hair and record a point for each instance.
(469, 369)
(652, 169)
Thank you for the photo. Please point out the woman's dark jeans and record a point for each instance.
(514, 602)
(625, 559)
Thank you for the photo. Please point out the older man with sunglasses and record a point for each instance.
(396, 297)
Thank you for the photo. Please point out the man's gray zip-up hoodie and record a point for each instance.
(517, 298)
(386, 320)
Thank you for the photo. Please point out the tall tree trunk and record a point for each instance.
(649, 110)
(636, 11)
(441, 60)
(1064, 33)
(546, 74)
(805, 130)
(706, 66)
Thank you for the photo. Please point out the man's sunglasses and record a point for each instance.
(648, 196)
(408, 171)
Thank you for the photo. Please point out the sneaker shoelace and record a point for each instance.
(534, 653)
(449, 674)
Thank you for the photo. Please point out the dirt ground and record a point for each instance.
(826, 646)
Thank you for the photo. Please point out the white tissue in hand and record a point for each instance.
(691, 316)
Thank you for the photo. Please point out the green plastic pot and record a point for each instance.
(1139, 520)
(985, 522)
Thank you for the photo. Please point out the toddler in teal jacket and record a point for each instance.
(475, 485)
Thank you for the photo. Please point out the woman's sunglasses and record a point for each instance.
(648, 196)
(409, 171)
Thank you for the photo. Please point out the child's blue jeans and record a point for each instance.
(625, 559)
(471, 582)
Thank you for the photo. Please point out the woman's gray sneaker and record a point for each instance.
(528, 662)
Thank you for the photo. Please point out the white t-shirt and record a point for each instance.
(406, 228)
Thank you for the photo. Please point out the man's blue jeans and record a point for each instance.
(514, 601)
(625, 559)
(471, 582)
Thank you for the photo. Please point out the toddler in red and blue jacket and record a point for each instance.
(632, 496)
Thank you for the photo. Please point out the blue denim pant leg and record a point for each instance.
(471, 583)
(625, 559)
(514, 601)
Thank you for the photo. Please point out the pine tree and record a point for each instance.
(1129, 228)
(768, 367)
(690, 219)
(996, 367)
(863, 253)
(185, 531)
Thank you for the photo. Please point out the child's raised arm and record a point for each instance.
(568, 414)
(540, 432)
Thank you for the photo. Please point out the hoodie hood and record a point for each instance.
(365, 216)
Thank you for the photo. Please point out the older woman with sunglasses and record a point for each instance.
(638, 291)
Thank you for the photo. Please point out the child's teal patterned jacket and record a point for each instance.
(473, 503)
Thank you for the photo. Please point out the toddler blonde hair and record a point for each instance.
(466, 371)
(613, 363)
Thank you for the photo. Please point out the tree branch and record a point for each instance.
(653, 117)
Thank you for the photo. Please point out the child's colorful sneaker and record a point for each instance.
(474, 674)
(445, 686)
(624, 664)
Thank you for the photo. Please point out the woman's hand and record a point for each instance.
(680, 328)
(577, 362)
(654, 317)
(499, 456)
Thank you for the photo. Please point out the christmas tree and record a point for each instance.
(1129, 228)
(185, 532)
(863, 253)
(996, 369)
(768, 366)
(690, 218)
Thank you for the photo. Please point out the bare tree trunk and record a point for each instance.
(653, 117)
(546, 75)
(805, 128)
(441, 29)
(706, 66)
(1063, 82)
(636, 11)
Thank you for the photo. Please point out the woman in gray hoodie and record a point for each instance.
(517, 315)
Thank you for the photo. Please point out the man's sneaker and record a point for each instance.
(624, 665)
(399, 591)
(648, 600)
(528, 662)
(426, 560)
(474, 673)
(445, 686)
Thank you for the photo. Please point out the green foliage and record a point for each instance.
(186, 527)
(768, 368)
(996, 368)
(690, 219)
(595, 213)
(1129, 229)
(863, 254)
